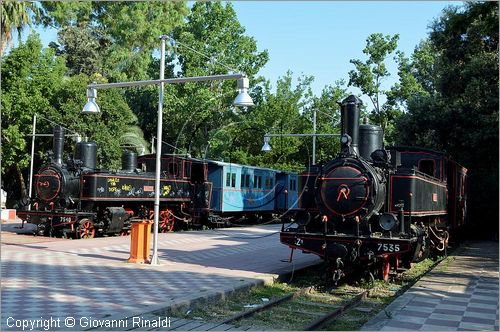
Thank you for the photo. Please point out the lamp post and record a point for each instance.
(267, 137)
(243, 99)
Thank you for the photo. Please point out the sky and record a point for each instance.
(319, 38)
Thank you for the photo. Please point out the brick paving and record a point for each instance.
(459, 296)
(51, 278)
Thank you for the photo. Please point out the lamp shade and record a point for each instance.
(91, 106)
(266, 147)
(243, 99)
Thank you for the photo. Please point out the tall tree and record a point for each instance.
(34, 81)
(212, 41)
(15, 16)
(369, 74)
(458, 112)
(126, 32)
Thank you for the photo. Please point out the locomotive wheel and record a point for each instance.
(167, 221)
(85, 229)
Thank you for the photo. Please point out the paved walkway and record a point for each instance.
(461, 295)
(47, 278)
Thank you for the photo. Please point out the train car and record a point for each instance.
(374, 209)
(76, 199)
(242, 192)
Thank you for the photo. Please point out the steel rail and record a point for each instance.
(315, 325)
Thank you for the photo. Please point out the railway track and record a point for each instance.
(315, 313)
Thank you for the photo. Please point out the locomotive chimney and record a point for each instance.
(349, 119)
(58, 144)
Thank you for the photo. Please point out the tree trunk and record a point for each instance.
(20, 176)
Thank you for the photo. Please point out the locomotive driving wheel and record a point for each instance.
(167, 221)
(86, 229)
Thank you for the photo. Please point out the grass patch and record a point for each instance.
(317, 298)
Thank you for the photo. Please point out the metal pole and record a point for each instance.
(167, 81)
(314, 137)
(30, 190)
(154, 259)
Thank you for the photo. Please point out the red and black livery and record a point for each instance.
(376, 209)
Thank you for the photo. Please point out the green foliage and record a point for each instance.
(81, 49)
(15, 16)
(127, 32)
(34, 82)
(458, 111)
(196, 115)
(368, 75)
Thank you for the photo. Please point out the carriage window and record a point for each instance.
(293, 184)
(228, 179)
(245, 181)
(172, 169)
(187, 169)
(257, 182)
(426, 166)
(233, 180)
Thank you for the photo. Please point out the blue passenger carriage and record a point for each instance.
(242, 192)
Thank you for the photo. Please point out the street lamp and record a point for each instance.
(91, 107)
(243, 99)
(267, 137)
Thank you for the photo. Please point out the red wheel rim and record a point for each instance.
(86, 229)
(167, 221)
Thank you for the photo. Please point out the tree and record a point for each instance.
(126, 32)
(81, 49)
(211, 42)
(368, 75)
(458, 112)
(34, 81)
(15, 16)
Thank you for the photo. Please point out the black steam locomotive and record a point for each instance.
(76, 198)
(374, 209)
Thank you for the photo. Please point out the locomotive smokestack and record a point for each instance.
(349, 118)
(58, 144)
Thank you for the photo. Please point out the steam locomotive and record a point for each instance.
(374, 209)
(77, 199)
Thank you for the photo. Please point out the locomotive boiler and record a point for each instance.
(376, 209)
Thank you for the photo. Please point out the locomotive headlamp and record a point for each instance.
(387, 221)
(345, 139)
(91, 107)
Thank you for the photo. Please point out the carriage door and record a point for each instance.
(202, 188)
(461, 198)
(281, 181)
